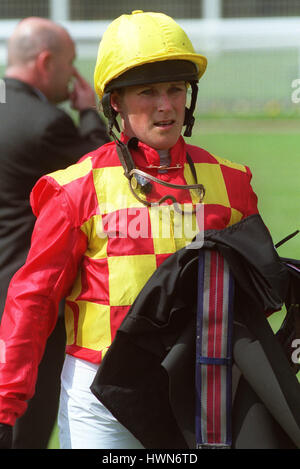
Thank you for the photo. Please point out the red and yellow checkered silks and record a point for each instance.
(126, 240)
(95, 245)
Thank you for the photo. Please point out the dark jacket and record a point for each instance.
(147, 376)
(36, 138)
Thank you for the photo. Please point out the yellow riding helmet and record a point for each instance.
(138, 39)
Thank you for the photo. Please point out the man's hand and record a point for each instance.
(6, 436)
(82, 97)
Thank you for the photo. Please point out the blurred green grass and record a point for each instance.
(54, 440)
(273, 156)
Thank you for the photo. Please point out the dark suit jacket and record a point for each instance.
(36, 138)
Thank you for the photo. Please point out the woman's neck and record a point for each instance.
(165, 159)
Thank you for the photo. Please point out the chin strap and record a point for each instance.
(110, 114)
(138, 178)
(189, 117)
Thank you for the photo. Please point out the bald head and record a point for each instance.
(41, 53)
(31, 37)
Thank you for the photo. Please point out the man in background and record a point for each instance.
(37, 137)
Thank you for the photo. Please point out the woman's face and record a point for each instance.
(153, 113)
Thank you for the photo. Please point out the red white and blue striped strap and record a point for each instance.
(214, 351)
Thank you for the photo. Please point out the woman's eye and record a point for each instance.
(146, 92)
(177, 89)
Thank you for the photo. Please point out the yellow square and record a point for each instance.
(76, 289)
(112, 189)
(127, 276)
(97, 239)
(210, 175)
(69, 324)
(235, 217)
(188, 176)
(162, 228)
(172, 230)
(73, 172)
(93, 326)
(230, 164)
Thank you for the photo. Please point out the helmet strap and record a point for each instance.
(109, 113)
(189, 119)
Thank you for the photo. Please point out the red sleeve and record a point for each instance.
(34, 294)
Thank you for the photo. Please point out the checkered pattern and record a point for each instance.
(127, 241)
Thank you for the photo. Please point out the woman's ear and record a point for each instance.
(115, 101)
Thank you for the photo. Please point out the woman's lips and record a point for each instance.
(164, 123)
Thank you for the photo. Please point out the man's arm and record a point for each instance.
(93, 128)
(83, 100)
(63, 143)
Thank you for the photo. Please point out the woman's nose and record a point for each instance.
(164, 102)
